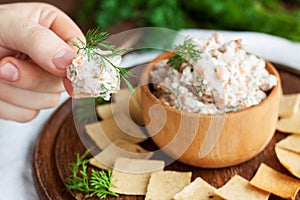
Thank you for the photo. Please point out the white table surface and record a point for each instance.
(17, 140)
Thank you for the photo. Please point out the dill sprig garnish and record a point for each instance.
(96, 39)
(101, 182)
(184, 53)
(98, 183)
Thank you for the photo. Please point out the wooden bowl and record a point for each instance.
(205, 140)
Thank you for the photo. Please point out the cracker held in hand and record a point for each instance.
(105, 132)
(275, 182)
(290, 160)
(197, 190)
(132, 175)
(95, 71)
(289, 124)
(119, 148)
(289, 105)
(238, 188)
(163, 185)
(291, 143)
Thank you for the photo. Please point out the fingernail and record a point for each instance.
(63, 58)
(9, 72)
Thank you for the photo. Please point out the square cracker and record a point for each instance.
(289, 105)
(132, 175)
(122, 95)
(104, 111)
(290, 160)
(291, 142)
(163, 185)
(197, 190)
(119, 148)
(289, 124)
(120, 126)
(238, 188)
(275, 182)
(124, 100)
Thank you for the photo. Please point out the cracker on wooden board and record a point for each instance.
(199, 189)
(291, 142)
(290, 160)
(106, 131)
(119, 148)
(124, 94)
(289, 124)
(289, 105)
(125, 102)
(104, 111)
(238, 188)
(132, 175)
(121, 96)
(275, 182)
(163, 185)
(131, 101)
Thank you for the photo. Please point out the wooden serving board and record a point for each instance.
(59, 143)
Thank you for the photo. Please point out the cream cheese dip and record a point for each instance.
(96, 76)
(225, 78)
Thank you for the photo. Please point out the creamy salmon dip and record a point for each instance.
(95, 76)
(225, 78)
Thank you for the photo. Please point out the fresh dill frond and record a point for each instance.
(79, 180)
(184, 53)
(98, 183)
(125, 75)
(101, 183)
(96, 39)
(176, 61)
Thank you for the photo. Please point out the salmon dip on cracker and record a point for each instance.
(95, 76)
(211, 76)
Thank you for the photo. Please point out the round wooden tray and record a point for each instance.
(59, 143)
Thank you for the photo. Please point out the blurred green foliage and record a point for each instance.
(277, 17)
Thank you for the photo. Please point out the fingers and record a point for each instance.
(68, 86)
(15, 113)
(39, 43)
(48, 48)
(25, 88)
(61, 24)
(43, 33)
(27, 75)
(26, 98)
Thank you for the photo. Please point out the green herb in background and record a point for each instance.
(97, 184)
(277, 17)
(257, 15)
(105, 13)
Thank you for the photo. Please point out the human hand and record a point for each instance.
(34, 53)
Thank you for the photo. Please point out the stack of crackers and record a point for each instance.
(119, 131)
(288, 149)
(118, 135)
